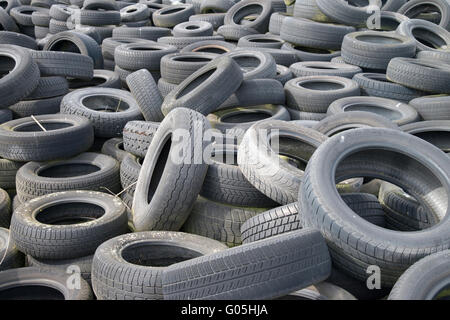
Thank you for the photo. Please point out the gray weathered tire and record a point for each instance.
(427, 35)
(434, 131)
(5, 209)
(138, 135)
(193, 29)
(114, 148)
(172, 15)
(254, 64)
(343, 12)
(324, 68)
(140, 55)
(11, 257)
(147, 33)
(413, 8)
(242, 9)
(432, 107)
(310, 54)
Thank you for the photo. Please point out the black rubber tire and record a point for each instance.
(435, 132)
(36, 277)
(147, 33)
(140, 55)
(181, 42)
(101, 78)
(26, 108)
(339, 122)
(254, 64)
(129, 174)
(138, 135)
(263, 40)
(11, 258)
(310, 54)
(193, 29)
(216, 19)
(177, 67)
(169, 203)
(18, 39)
(413, 8)
(428, 36)
(313, 34)
(207, 88)
(114, 148)
(426, 279)
(234, 33)
(432, 107)
(300, 97)
(219, 221)
(49, 87)
(144, 89)
(209, 46)
(23, 74)
(8, 170)
(64, 64)
(142, 259)
(324, 68)
(134, 12)
(68, 175)
(412, 72)
(106, 220)
(343, 12)
(225, 183)
(245, 269)
(244, 8)
(5, 210)
(375, 55)
(260, 164)
(395, 111)
(362, 152)
(72, 135)
(377, 85)
(172, 15)
(77, 42)
(106, 124)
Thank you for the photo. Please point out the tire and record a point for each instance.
(156, 212)
(177, 67)
(136, 56)
(147, 33)
(193, 29)
(306, 116)
(216, 6)
(5, 115)
(9, 4)
(234, 33)
(22, 14)
(375, 49)
(49, 87)
(254, 64)
(307, 33)
(172, 15)
(18, 39)
(260, 164)
(225, 183)
(76, 240)
(209, 46)
(284, 74)
(114, 148)
(377, 85)
(432, 107)
(284, 255)
(41, 32)
(60, 12)
(281, 57)
(308, 9)
(129, 254)
(323, 68)
(5, 210)
(428, 36)
(134, 12)
(144, 89)
(109, 45)
(77, 42)
(412, 9)
(218, 221)
(87, 171)
(129, 174)
(397, 112)
(403, 212)
(8, 170)
(426, 279)
(181, 42)
(84, 265)
(41, 18)
(222, 76)
(316, 93)
(12, 281)
(265, 41)
(138, 135)
(7, 23)
(165, 87)
(242, 9)
(57, 26)
(411, 72)
(276, 21)
(98, 18)
(435, 132)
(310, 54)
(11, 257)
(216, 19)
(100, 4)
(392, 251)
(24, 74)
(388, 21)
(342, 12)
(434, 55)
(64, 64)
(101, 78)
(71, 135)
(84, 102)
(26, 108)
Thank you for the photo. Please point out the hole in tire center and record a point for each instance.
(78, 83)
(421, 10)
(245, 116)
(67, 170)
(192, 27)
(192, 59)
(69, 213)
(34, 127)
(157, 254)
(247, 63)
(65, 46)
(321, 85)
(31, 292)
(312, 50)
(158, 170)
(378, 39)
(263, 40)
(195, 83)
(293, 150)
(105, 103)
(253, 11)
(443, 293)
(438, 138)
(211, 49)
(384, 112)
(145, 49)
(170, 11)
(131, 10)
(428, 38)
(7, 64)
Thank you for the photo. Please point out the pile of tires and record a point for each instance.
(230, 149)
